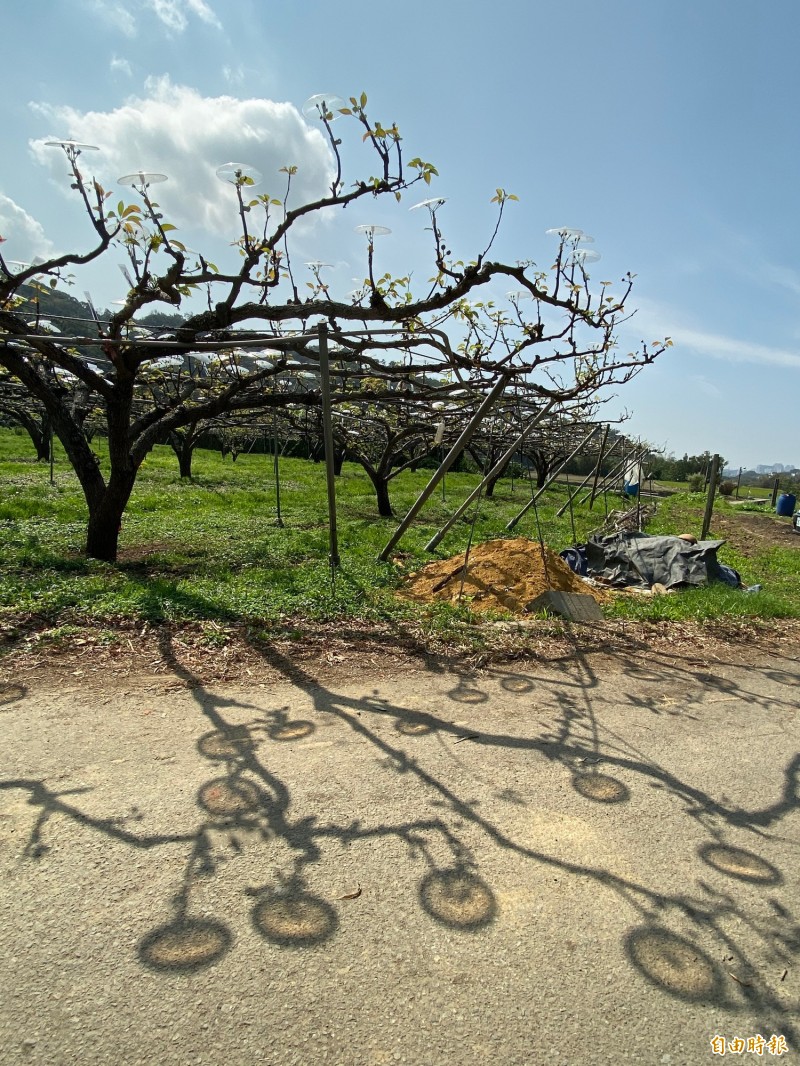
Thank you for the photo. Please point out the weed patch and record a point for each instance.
(210, 551)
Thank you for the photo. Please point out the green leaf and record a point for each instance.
(345, 111)
(363, 99)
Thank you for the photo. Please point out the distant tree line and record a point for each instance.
(663, 467)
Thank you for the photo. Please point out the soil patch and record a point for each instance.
(170, 657)
(751, 533)
(500, 575)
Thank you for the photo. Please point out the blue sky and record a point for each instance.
(666, 130)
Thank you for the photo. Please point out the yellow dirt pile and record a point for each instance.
(501, 575)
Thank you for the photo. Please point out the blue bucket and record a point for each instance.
(785, 505)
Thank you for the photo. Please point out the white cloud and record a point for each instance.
(126, 15)
(732, 350)
(174, 13)
(702, 384)
(117, 13)
(177, 131)
(118, 65)
(23, 235)
(233, 75)
(745, 257)
(652, 320)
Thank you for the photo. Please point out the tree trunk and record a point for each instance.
(108, 501)
(490, 484)
(542, 463)
(183, 444)
(105, 521)
(38, 430)
(381, 485)
(185, 455)
(382, 495)
(338, 461)
(43, 449)
(185, 462)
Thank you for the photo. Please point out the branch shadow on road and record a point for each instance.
(701, 945)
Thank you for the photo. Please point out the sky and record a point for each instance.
(665, 129)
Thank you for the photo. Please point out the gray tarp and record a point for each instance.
(638, 559)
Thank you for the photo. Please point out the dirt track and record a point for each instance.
(749, 532)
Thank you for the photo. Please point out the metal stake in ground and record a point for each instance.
(327, 428)
(276, 469)
(472, 525)
(541, 543)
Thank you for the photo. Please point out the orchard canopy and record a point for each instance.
(408, 362)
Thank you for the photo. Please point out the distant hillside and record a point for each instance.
(68, 314)
(162, 319)
(71, 315)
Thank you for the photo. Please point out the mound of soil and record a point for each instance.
(501, 575)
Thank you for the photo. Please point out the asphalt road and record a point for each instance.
(563, 863)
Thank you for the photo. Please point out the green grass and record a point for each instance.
(746, 492)
(211, 550)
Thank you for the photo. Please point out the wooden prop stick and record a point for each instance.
(447, 462)
(498, 466)
(592, 473)
(530, 503)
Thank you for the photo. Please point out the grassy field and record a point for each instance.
(210, 550)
